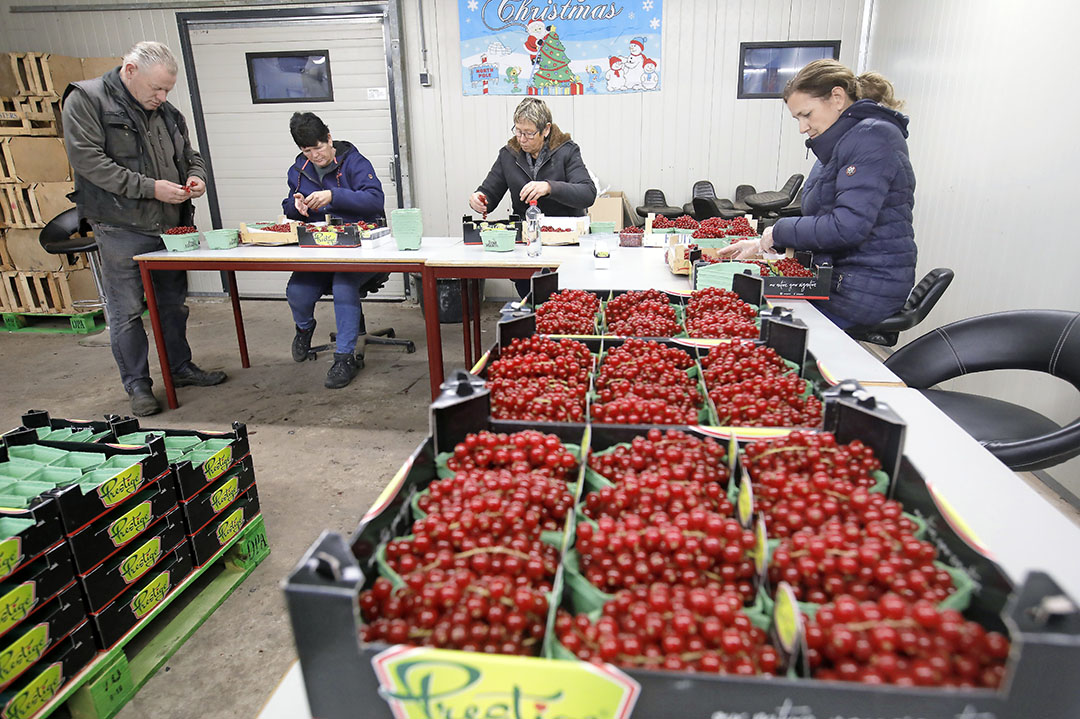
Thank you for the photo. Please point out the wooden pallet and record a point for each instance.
(34, 116)
(6, 263)
(29, 205)
(109, 682)
(33, 159)
(43, 293)
(84, 323)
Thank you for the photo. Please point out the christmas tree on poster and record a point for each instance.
(554, 65)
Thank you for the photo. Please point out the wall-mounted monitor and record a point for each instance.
(766, 67)
(290, 76)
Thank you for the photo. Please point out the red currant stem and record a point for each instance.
(906, 623)
(478, 550)
(791, 448)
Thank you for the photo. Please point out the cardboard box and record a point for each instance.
(97, 66)
(613, 207)
(34, 159)
(26, 254)
(254, 233)
(59, 71)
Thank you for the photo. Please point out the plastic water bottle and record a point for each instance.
(533, 220)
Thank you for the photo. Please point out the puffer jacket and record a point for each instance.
(857, 208)
(356, 193)
(572, 189)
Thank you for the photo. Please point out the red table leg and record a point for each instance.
(159, 338)
(477, 342)
(238, 317)
(432, 329)
(466, 320)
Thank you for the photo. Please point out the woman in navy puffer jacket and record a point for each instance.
(858, 199)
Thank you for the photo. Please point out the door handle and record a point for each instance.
(393, 170)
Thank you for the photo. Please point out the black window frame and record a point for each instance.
(256, 100)
(744, 46)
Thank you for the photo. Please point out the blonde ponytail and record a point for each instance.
(874, 86)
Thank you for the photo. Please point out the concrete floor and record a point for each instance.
(321, 457)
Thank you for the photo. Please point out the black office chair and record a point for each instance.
(764, 204)
(382, 336)
(741, 193)
(705, 207)
(656, 203)
(701, 188)
(920, 301)
(794, 209)
(1040, 340)
(68, 234)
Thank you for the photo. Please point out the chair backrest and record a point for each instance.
(655, 198)
(792, 186)
(703, 188)
(1040, 340)
(704, 208)
(64, 233)
(926, 294)
(742, 191)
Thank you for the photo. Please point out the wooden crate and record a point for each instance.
(25, 253)
(47, 292)
(6, 262)
(33, 116)
(19, 74)
(33, 159)
(29, 205)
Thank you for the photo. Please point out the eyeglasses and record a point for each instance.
(524, 135)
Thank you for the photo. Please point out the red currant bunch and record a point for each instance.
(894, 641)
(844, 558)
(671, 455)
(642, 382)
(520, 452)
(741, 227)
(719, 313)
(648, 496)
(676, 628)
(183, 230)
(767, 401)
(712, 227)
(735, 361)
(641, 313)
(790, 267)
(698, 548)
(279, 227)
(570, 312)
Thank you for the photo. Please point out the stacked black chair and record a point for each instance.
(656, 203)
(741, 193)
(920, 301)
(1040, 340)
(704, 189)
(764, 204)
(794, 209)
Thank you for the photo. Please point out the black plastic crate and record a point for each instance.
(49, 675)
(29, 641)
(26, 591)
(218, 496)
(211, 538)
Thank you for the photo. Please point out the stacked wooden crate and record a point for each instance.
(35, 180)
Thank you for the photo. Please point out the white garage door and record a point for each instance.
(250, 145)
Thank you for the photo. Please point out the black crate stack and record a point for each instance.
(100, 522)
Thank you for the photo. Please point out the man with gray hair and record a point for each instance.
(136, 175)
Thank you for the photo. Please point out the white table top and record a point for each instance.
(382, 249)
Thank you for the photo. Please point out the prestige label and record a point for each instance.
(23, 652)
(230, 527)
(151, 595)
(324, 239)
(421, 683)
(140, 561)
(131, 524)
(116, 490)
(224, 495)
(16, 604)
(36, 694)
(216, 465)
(10, 555)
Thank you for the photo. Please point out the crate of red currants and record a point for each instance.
(795, 277)
(338, 234)
(616, 571)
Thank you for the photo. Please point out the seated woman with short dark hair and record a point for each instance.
(329, 178)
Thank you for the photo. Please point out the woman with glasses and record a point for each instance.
(540, 162)
(857, 203)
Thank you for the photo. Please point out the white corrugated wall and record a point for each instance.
(992, 94)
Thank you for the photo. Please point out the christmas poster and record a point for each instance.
(572, 47)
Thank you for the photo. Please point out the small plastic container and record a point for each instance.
(498, 240)
(630, 239)
(407, 227)
(181, 243)
(222, 239)
(602, 228)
